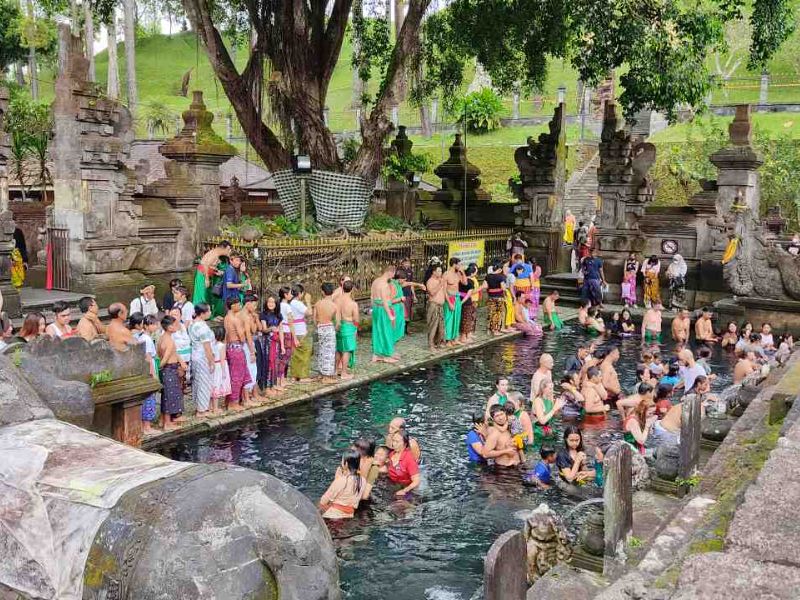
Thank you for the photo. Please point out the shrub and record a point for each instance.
(398, 167)
(482, 110)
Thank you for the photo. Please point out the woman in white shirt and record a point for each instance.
(146, 302)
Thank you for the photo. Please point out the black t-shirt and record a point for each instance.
(169, 301)
(563, 460)
(495, 281)
(573, 364)
(465, 288)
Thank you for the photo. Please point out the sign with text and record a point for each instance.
(469, 251)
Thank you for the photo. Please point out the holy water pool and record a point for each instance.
(433, 545)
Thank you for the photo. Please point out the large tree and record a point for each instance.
(660, 46)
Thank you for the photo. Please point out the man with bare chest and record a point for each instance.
(235, 341)
(119, 336)
(704, 328)
(435, 315)
(347, 331)
(326, 316)
(499, 438)
(205, 269)
(681, 326)
(651, 324)
(608, 373)
(382, 296)
(250, 322)
(172, 393)
(452, 305)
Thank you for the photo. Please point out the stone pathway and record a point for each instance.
(414, 353)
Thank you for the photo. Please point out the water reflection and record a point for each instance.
(430, 545)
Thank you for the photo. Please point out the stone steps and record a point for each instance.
(581, 190)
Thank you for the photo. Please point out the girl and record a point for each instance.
(571, 461)
(495, 289)
(183, 345)
(731, 336)
(629, 280)
(673, 376)
(616, 325)
(744, 336)
(143, 329)
(536, 286)
(545, 408)
(628, 326)
(676, 273)
(278, 361)
(221, 378)
(341, 499)
(288, 330)
(651, 270)
(32, 327)
(244, 279)
(508, 300)
(637, 425)
(469, 301)
(203, 365)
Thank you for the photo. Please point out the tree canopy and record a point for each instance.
(11, 49)
(658, 47)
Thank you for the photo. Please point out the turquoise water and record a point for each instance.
(431, 547)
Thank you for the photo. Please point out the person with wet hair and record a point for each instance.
(343, 496)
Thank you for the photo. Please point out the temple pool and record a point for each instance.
(433, 546)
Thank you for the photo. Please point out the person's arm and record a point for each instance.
(331, 493)
(639, 434)
(527, 426)
(209, 355)
(570, 474)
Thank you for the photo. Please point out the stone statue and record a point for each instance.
(640, 471)
(547, 541)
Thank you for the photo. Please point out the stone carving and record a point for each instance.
(547, 541)
(640, 472)
(542, 169)
(460, 178)
(624, 186)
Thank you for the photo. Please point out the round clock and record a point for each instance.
(669, 246)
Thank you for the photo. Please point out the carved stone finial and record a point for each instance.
(741, 130)
(197, 136)
(401, 144)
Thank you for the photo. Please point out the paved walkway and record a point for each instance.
(414, 353)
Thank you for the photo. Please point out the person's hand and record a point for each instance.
(598, 454)
(211, 365)
(510, 451)
(581, 457)
(400, 492)
(559, 403)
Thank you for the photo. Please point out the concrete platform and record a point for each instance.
(40, 300)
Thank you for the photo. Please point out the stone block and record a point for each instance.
(504, 570)
(18, 400)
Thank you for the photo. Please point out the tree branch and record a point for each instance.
(334, 37)
(378, 125)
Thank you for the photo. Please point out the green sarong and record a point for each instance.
(200, 292)
(347, 341)
(652, 336)
(382, 331)
(399, 313)
(557, 322)
(452, 317)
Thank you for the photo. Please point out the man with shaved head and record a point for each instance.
(119, 336)
(397, 425)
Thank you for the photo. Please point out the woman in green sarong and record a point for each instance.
(545, 408)
(217, 302)
(399, 311)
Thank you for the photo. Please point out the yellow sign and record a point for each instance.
(469, 251)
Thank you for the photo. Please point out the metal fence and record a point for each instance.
(273, 263)
(58, 239)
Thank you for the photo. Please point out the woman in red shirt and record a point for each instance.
(403, 467)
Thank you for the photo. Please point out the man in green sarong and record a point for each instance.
(452, 305)
(383, 337)
(550, 317)
(205, 270)
(347, 331)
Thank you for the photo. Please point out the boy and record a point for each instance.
(541, 474)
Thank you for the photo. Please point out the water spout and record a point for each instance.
(582, 504)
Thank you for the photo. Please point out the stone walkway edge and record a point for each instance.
(374, 373)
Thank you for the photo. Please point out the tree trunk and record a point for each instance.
(88, 24)
(18, 73)
(112, 88)
(358, 83)
(129, 8)
(399, 17)
(74, 17)
(33, 73)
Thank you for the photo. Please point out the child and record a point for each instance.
(143, 329)
(541, 474)
(663, 402)
(343, 495)
(221, 378)
(183, 345)
(380, 458)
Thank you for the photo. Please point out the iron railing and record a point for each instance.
(58, 239)
(273, 263)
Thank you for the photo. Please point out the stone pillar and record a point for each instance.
(763, 93)
(738, 166)
(617, 504)
(690, 436)
(504, 570)
(11, 303)
(196, 154)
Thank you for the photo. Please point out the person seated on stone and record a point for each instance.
(60, 327)
(519, 422)
(402, 467)
(594, 394)
(398, 425)
(571, 396)
(348, 488)
(583, 312)
(595, 324)
(90, 326)
(523, 321)
(673, 376)
(644, 393)
(545, 408)
(145, 303)
(746, 366)
(499, 439)
(704, 328)
(663, 399)
(731, 336)
(573, 465)
(637, 425)
(33, 326)
(541, 475)
(119, 336)
(785, 347)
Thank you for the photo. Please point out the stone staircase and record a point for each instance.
(581, 190)
(567, 286)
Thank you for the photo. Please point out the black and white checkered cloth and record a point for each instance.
(340, 200)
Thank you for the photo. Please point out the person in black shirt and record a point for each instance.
(169, 297)
(577, 361)
(469, 315)
(495, 289)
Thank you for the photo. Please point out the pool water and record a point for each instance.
(433, 545)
